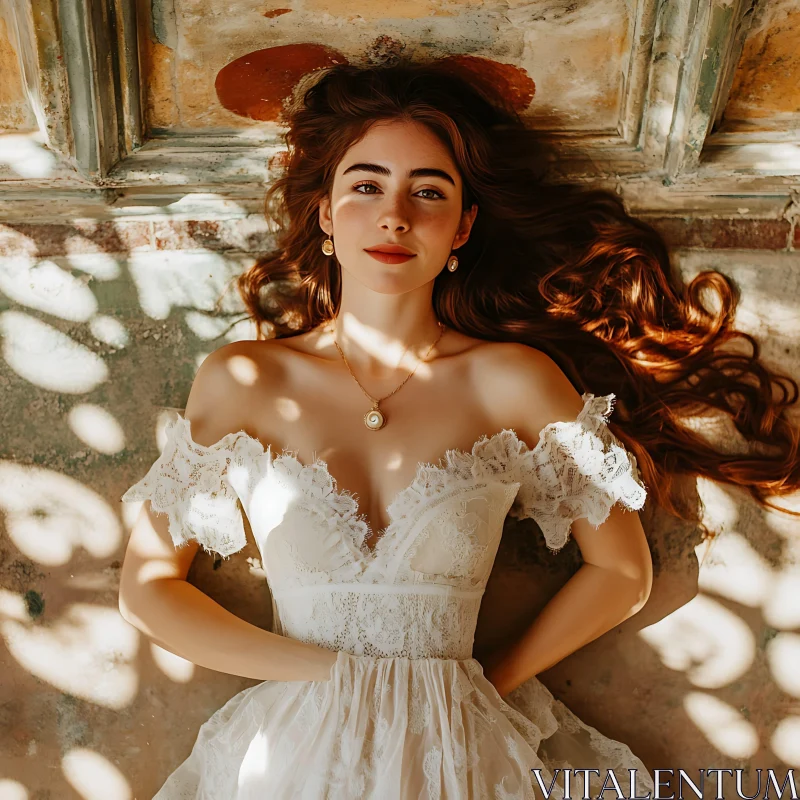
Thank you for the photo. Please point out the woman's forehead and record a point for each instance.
(400, 146)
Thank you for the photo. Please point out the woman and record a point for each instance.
(427, 300)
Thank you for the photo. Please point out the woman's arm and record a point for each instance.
(155, 598)
(154, 595)
(595, 599)
(614, 582)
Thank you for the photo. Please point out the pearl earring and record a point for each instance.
(327, 247)
(452, 263)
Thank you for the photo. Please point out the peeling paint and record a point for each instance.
(508, 80)
(575, 52)
(385, 50)
(15, 110)
(164, 22)
(257, 84)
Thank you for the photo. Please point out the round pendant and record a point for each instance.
(374, 420)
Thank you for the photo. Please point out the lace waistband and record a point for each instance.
(378, 588)
(381, 620)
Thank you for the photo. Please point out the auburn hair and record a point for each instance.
(556, 266)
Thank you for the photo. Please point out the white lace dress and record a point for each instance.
(407, 713)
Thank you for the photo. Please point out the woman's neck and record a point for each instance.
(387, 336)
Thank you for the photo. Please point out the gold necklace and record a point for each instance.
(375, 419)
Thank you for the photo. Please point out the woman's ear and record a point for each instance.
(325, 221)
(465, 226)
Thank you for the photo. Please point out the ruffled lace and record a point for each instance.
(577, 470)
(386, 729)
(190, 484)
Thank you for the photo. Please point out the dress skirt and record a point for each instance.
(397, 729)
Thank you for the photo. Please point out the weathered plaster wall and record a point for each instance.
(103, 326)
(575, 52)
(15, 111)
(766, 89)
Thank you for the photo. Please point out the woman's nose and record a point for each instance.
(394, 215)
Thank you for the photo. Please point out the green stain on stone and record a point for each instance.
(34, 602)
(767, 634)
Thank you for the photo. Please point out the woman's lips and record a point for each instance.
(389, 258)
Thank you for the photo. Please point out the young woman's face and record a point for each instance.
(397, 186)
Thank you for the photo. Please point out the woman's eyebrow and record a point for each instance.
(420, 172)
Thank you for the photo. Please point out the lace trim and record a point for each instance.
(576, 469)
(189, 483)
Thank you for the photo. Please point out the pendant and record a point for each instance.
(374, 419)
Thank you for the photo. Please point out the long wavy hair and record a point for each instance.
(558, 267)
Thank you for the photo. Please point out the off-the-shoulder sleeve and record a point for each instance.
(189, 483)
(577, 470)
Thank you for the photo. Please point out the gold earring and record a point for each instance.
(327, 247)
(452, 263)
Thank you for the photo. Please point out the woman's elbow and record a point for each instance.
(126, 606)
(136, 604)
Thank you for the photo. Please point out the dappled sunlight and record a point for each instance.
(377, 344)
(785, 740)
(48, 358)
(288, 409)
(109, 331)
(769, 284)
(270, 502)
(12, 606)
(205, 327)
(783, 655)
(177, 279)
(773, 157)
(88, 652)
(96, 427)
(48, 515)
(101, 266)
(782, 606)
(722, 724)
(46, 287)
(705, 640)
(784, 525)
(395, 462)
(255, 764)
(208, 328)
(241, 329)
(12, 790)
(26, 156)
(736, 571)
(243, 370)
(715, 647)
(93, 776)
(175, 667)
(720, 510)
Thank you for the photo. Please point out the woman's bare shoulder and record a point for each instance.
(227, 383)
(522, 387)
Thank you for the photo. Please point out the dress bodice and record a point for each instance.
(417, 593)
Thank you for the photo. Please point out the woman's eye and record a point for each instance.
(435, 195)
